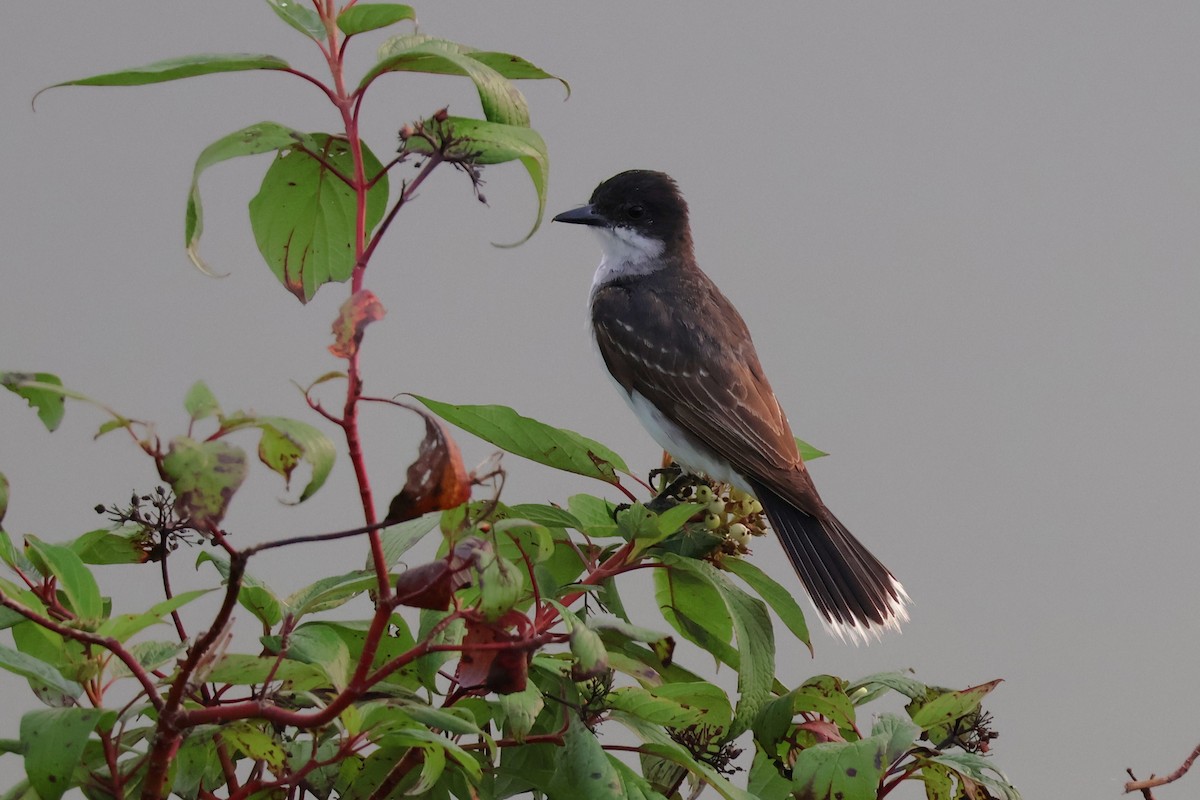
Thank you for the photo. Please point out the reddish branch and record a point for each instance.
(1144, 786)
(107, 642)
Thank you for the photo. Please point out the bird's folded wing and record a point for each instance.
(707, 380)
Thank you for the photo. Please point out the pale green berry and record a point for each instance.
(716, 506)
(713, 521)
(739, 534)
(704, 494)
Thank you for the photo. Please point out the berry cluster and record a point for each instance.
(731, 513)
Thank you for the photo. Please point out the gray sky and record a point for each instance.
(963, 234)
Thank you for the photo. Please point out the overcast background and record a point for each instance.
(964, 235)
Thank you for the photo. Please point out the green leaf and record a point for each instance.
(640, 703)
(126, 625)
(200, 402)
(751, 624)
(329, 593)
(684, 597)
(173, 69)
(37, 388)
(74, 578)
(478, 141)
(852, 769)
(286, 441)
(765, 780)
(522, 436)
(659, 742)
(304, 214)
(949, 705)
(501, 584)
(709, 702)
(365, 17)
(321, 646)
(204, 477)
(550, 516)
(807, 451)
(520, 710)
(662, 644)
(54, 741)
(501, 101)
(37, 671)
(515, 537)
(595, 514)
(980, 770)
(584, 771)
(299, 17)
(776, 596)
(254, 595)
(399, 539)
(254, 742)
(938, 785)
(247, 670)
(866, 689)
(261, 137)
(151, 655)
(102, 546)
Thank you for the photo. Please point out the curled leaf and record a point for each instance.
(437, 480)
(503, 670)
(360, 309)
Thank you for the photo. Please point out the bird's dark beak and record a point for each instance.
(584, 215)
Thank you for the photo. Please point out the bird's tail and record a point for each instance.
(854, 592)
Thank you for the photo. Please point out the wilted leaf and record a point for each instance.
(359, 310)
(437, 480)
(3, 497)
(204, 477)
(499, 670)
(941, 708)
(426, 586)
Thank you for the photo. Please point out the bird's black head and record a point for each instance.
(646, 202)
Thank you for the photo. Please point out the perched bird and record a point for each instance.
(681, 355)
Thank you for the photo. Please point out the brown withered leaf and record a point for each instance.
(499, 670)
(437, 480)
(360, 309)
(426, 586)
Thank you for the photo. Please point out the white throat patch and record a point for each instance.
(626, 252)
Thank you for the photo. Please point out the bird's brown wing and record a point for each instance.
(699, 367)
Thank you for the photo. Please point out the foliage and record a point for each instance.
(484, 673)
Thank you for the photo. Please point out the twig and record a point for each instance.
(1144, 786)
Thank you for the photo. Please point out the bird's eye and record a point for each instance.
(635, 212)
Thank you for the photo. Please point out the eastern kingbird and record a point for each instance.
(682, 357)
